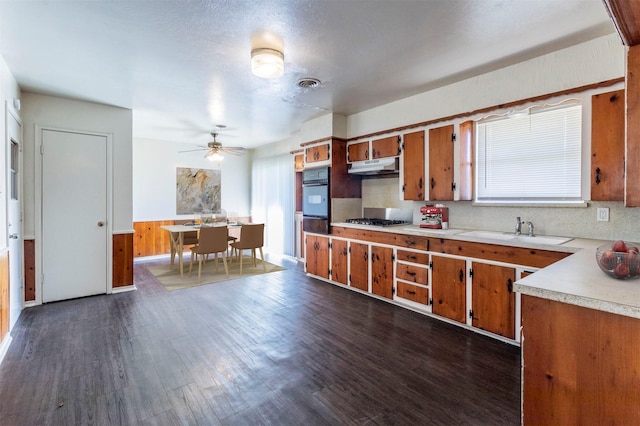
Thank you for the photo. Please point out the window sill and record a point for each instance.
(547, 204)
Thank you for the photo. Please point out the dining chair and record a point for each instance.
(213, 240)
(189, 238)
(251, 238)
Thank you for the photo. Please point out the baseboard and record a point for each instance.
(4, 346)
(123, 289)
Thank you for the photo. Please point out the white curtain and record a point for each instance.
(272, 201)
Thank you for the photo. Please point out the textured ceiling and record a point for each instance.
(183, 66)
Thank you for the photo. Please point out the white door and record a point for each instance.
(74, 215)
(14, 215)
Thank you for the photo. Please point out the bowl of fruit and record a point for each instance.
(619, 259)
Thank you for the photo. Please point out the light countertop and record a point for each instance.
(576, 279)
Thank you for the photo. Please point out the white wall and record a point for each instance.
(598, 60)
(49, 111)
(154, 179)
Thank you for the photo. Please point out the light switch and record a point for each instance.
(603, 214)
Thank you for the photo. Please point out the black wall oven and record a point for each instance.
(315, 200)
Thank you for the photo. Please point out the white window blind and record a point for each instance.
(530, 158)
(272, 201)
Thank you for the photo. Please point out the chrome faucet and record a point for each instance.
(518, 225)
(530, 225)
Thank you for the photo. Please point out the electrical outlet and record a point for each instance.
(603, 214)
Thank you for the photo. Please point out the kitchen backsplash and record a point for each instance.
(577, 222)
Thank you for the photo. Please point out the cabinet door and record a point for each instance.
(358, 152)
(317, 255)
(382, 271)
(359, 263)
(314, 154)
(441, 163)
(413, 166)
(339, 259)
(448, 287)
(607, 146)
(465, 185)
(492, 299)
(298, 162)
(386, 147)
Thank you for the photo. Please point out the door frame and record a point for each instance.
(39, 129)
(10, 111)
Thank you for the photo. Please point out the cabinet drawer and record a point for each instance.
(410, 256)
(412, 273)
(413, 292)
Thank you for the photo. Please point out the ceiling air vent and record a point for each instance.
(308, 83)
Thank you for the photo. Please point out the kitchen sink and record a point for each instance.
(504, 236)
(492, 235)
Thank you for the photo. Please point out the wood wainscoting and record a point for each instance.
(122, 260)
(151, 240)
(29, 270)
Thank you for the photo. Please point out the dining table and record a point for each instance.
(176, 237)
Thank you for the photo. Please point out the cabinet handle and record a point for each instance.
(366, 154)
(410, 292)
(413, 274)
(433, 183)
(510, 285)
(461, 275)
(598, 176)
(420, 183)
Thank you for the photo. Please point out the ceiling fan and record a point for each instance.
(215, 149)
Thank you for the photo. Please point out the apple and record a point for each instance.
(633, 249)
(619, 246)
(608, 260)
(622, 270)
(633, 261)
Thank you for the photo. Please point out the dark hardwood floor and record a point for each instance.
(279, 348)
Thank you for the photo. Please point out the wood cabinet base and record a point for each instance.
(580, 366)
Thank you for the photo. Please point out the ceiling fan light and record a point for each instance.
(214, 156)
(267, 63)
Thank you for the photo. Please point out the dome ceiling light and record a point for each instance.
(267, 63)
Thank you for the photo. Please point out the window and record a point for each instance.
(530, 158)
(15, 157)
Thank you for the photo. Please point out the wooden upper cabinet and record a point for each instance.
(386, 147)
(467, 140)
(413, 166)
(441, 186)
(298, 162)
(607, 146)
(493, 301)
(317, 153)
(358, 152)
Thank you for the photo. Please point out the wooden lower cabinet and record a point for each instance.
(415, 293)
(493, 302)
(382, 271)
(581, 366)
(317, 255)
(339, 261)
(359, 263)
(449, 287)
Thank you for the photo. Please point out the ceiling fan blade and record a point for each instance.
(192, 150)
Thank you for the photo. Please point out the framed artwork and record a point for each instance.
(197, 190)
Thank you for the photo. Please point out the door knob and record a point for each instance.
(101, 223)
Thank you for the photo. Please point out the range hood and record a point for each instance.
(375, 167)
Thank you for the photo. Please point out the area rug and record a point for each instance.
(171, 280)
